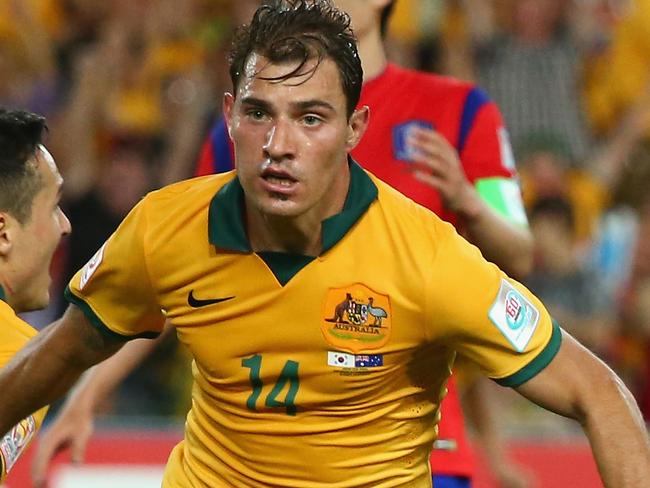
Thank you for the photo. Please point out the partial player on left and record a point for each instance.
(31, 227)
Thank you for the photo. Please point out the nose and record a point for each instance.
(280, 142)
(64, 223)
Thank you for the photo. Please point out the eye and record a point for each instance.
(256, 114)
(311, 120)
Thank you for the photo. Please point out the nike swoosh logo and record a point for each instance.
(194, 302)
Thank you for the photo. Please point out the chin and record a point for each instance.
(282, 208)
(285, 213)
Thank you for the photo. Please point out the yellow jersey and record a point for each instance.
(322, 371)
(14, 334)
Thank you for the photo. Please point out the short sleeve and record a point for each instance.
(486, 316)
(488, 160)
(15, 442)
(114, 289)
(486, 151)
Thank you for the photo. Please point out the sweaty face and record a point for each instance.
(34, 242)
(291, 139)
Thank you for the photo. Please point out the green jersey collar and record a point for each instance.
(3, 297)
(226, 229)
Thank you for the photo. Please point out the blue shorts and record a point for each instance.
(442, 481)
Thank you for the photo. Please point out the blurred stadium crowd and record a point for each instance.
(130, 89)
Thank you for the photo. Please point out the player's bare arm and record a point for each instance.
(437, 164)
(578, 385)
(50, 364)
(73, 426)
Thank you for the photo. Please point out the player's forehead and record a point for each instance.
(315, 78)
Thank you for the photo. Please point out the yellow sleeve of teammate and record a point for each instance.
(17, 439)
(114, 288)
(14, 334)
(487, 317)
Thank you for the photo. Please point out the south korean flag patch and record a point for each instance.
(514, 315)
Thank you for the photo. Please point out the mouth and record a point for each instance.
(278, 181)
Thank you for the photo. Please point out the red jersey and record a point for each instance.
(465, 116)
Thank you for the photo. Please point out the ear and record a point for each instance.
(357, 126)
(228, 110)
(6, 234)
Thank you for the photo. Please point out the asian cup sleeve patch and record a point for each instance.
(514, 315)
(91, 266)
(14, 443)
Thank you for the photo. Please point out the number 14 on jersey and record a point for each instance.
(288, 375)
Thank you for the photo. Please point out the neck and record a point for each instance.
(300, 234)
(282, 234)
(373, 54)
(6, 292)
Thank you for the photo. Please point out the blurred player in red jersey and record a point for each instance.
(438, 140)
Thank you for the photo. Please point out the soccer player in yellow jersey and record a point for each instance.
(31, 226)
(470, 170)
(322, 308)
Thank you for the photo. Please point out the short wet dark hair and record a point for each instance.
(297, 31)
(21, 133)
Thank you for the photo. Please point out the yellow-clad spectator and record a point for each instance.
(404, 24)
(546, 172)
(619, 76)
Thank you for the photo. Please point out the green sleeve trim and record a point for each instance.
(504, 197)
(542, 360)
(97, 323)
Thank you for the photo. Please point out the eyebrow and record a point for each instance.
(256, 102)
(303, 105)
(307, 104)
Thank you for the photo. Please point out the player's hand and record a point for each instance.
(71, 429)
(436, 163)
